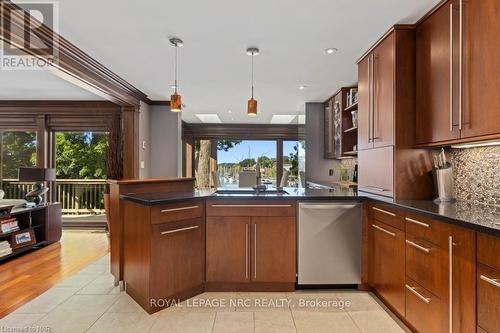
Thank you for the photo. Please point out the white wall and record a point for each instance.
(144, 141)
(166, 142)
(317, 167)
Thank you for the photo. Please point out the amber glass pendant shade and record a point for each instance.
(175, 103)
(252, 107)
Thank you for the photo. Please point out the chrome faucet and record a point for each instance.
(258, 187)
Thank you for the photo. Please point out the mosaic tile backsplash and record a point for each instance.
(476, 174)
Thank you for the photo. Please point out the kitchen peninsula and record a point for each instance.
(179, 244)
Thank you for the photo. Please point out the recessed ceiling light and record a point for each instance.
(282, 118)
(331, 50)
(208, 118)
(229, 111)
(302, 87)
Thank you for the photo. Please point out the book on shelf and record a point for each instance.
(8, 225)
(5, 248)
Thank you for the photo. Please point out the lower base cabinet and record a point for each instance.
(387, 263)
(425, 270)
(488, 284)
(424, 311)
(254, 250)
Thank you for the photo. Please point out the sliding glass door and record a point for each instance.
(80, 161)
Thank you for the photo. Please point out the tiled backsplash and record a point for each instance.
(476, 174)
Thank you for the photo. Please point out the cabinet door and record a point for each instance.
(364, 108)
(177, 257)
(436, 107)
(273, 249)
(488, 298)
(383, 93)
(387, 263)
(462, 246)
(228, 249)
(329, 131)
(482, 66)
(337, 125)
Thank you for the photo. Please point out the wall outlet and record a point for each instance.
(330, 172)
(144, 144)
(142, 165)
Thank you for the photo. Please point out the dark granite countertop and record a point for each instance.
(477, 217)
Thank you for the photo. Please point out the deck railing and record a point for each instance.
(77, 196)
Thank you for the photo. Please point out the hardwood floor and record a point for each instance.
(28, 276)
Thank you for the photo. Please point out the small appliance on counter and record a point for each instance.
(443, 178)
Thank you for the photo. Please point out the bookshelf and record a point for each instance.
(37, 227)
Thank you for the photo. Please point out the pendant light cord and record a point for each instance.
(252, 73)
(176, 47)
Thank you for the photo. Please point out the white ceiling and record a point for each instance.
(39, 85)
(131, 38)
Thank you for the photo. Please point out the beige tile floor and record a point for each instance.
(88, 302)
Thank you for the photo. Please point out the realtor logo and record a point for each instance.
(30, 35)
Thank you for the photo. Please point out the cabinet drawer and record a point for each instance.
(176, 212)
(423, 227)
(488, 298)
(426, 265)
(488, 248)
(388, 215)
(251, 208)
(424, 311)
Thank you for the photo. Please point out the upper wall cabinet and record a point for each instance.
(340, 124)
(457, 73)
(376, 100)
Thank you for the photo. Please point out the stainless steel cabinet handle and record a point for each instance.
(246, 251)
(494, 282)
(460, 64)
(178, 209)
(379, 189)
(420, 247)
(450, 283)
(370, 97)
(241, 206)
(384, 211)
(414, 291)
(422, 224)
(451, 67)
(383, 230)
(178, 230)
(373, 98)
(255, 250)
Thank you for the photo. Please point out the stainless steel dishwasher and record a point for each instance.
(329, 243)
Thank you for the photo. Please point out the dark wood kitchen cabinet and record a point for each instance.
(164, 252)
(228, 249)
(387, 261)
(340, 133)
(488, 283)
(436, 103)
(274, 241)
(457, 66)
(425, 270)
(388, 163)
(251, 245)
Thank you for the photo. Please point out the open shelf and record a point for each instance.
(18, 231)
(22, 250)
(352, 129)
(351, 107)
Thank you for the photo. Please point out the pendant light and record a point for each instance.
(175, 98)
(252, 103)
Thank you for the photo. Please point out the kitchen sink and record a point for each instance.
(249, 191)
